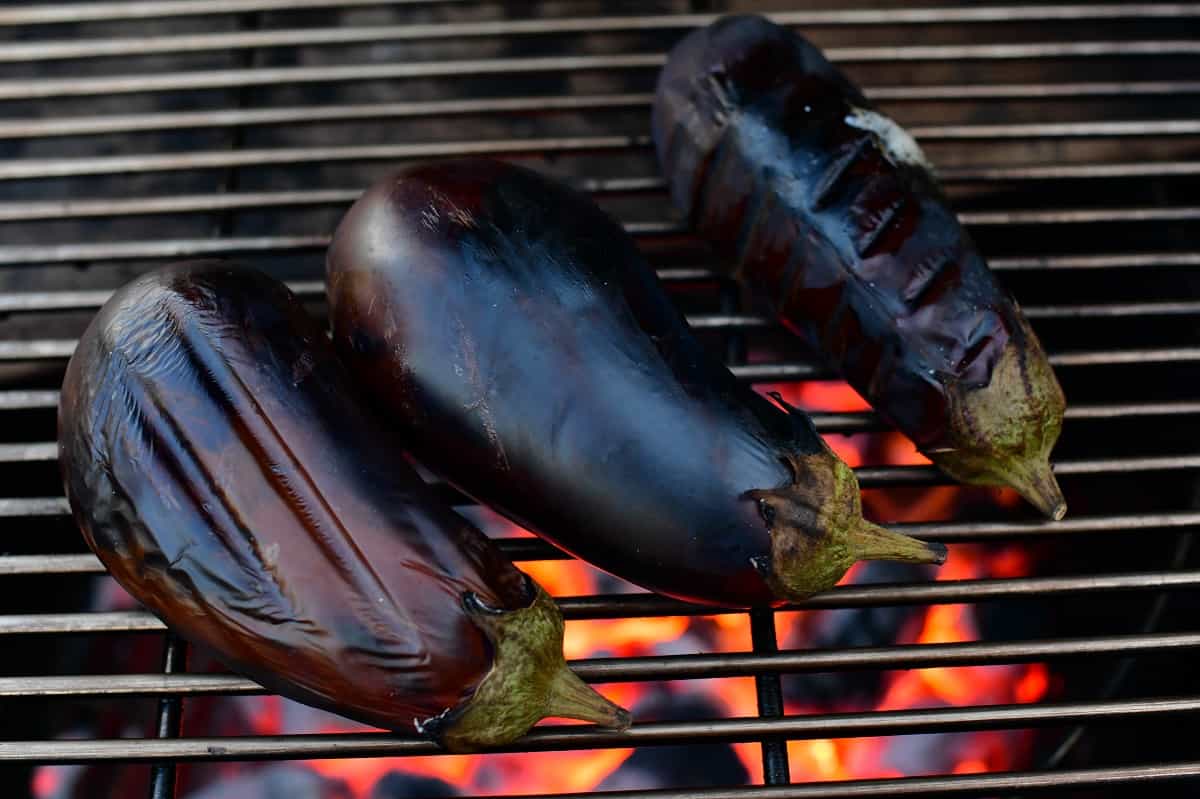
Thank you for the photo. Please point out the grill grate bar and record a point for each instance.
(36, 169)
(207, 203)
(833, 725)
(225, 41)
(670, 667)
(155, 9)
(651, 605)
(28, 302)
(826, 422)
(46, 88)
(170, 718)
(781, 372)
(46, 14)
(21, 255)
(993, 784)
(59, 349)
(175, 120)
(535, 549)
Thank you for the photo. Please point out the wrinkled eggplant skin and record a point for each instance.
(502, 320)
(219, 468)
(856, 249)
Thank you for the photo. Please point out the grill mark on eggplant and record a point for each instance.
(751, 218)
(714, 162)
(878, 223)
(829, 184)
(306, 501)
(175, 447)
(930, 272)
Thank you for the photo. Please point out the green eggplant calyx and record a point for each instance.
(529, 681)
(1002, 433)
(818, 532)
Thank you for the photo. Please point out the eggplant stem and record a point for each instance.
(871, 542)
(571, 698)
(1038, 486)
(1001, 434)
(818, 531)
(529, 680)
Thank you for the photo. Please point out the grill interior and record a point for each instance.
(132, 133)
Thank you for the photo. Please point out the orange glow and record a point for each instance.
(972, 766)
(561, 577)
(818, 395)
(46, 781)
(898, 449)
(1033, 685)
(1010, 562)
(621, 637)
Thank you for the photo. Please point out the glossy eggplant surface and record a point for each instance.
(514, 334)
(219, 464)
(831, 212)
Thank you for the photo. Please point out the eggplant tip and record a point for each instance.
(872, 542)
(938, 551)
(1040, 489)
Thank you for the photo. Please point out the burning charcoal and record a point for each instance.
(692, 766)
(398, 785)
(852, 627)
(276, 782)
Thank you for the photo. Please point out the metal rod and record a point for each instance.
(780, 372)
(30, 89)
(46, 14)
(41, 168)
(769, 693)
(206, 203)
(21, 255)
(668, 667)
(170, 718)
(153, 9)
(306, 115)
(525, 549)
(542, 739)
(653, 605)
(307, 37)
(220, 159)
(29, 302)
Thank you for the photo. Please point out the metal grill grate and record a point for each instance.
(133, 132)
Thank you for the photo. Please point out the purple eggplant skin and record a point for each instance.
(514, 334)
(831, 212)
(220, 465)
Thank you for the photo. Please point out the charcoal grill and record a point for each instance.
(132, 132)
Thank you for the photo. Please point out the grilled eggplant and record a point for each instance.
(830, 210)
(514, 333)
(222, 469)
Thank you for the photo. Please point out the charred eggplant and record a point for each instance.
(513, 332)
(221, 468)
(830, 210)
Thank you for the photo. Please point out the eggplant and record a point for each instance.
(220, 465)
(831, 212)
(513, 334)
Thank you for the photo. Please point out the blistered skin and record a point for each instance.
(514, 332)
(829, 209)
(217, 465)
